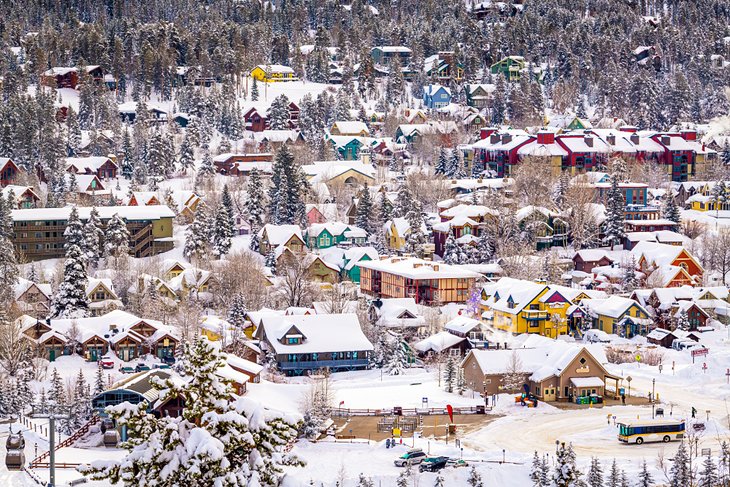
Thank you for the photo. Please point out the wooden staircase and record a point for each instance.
(42, 460)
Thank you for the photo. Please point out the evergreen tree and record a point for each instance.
(99, 383)
(255, 90)
(439, 482)
(279, 114)
(724, 464)
(218, 441)
(449, 374)
(186, 157)
(485, 249)
(363, 481)
(74, 233)
(198, 233)
(8, 270)
(127, 167)
(116, 237)
(416, 237)
(206, 170)
(403, 203)
(385, 209)
(614, 476)
(286, 203)
(222, 231)
(70, 301)
(93, 235)
(452, 250)
(708, 474)
(398, 359)
(499, 102)
(364, 218)
(255, 204)
(682, 320)
(680, 474)
(74, 132)
(270, 261)
(670, 211)
(537, 475)
(237, 312)
(58, 389)
(474, 480)
(645, 478)
(566, 472)
(615, 216)
(595, 474)
(395, 84)
(442, 163)
(725, 156)
(630, 281)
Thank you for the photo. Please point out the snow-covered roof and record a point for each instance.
(321, 333)
(580, 144)
(393, 49)
(420, 269)
(323, 171)
(471, 211)
(351, 127)
(399, 312)
(90, 164)
(613, 306)
(462, 324)
(129, 213)
(280, 234)
(334, 228)
(438, 343)
(275, 68)
(535, 149)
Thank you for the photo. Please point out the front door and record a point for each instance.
(52, 355)
(93, 354)
(549, 394)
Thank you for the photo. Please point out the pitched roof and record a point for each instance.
(322, 333)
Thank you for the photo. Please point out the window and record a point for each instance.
(582, 361)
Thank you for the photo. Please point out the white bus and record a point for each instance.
(638, 432)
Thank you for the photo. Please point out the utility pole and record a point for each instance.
(653, 382)
(52, 450)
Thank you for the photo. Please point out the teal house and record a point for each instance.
(348, 147)
(325, 235)
(353, 257)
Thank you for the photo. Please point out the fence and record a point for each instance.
(38, 462)
(398, 411)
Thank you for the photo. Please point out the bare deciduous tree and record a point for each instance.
(15, 349)
(295, 286)
(534, 181)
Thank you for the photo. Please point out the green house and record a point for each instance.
(347, 147)
(579, 124)
(353, 257)
(325, 235)
(511, 67)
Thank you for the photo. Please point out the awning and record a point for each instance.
(587, 381)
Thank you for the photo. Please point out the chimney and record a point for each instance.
(435, 267)
(689, 135)
(635, 138)
(611, 139)
(506, 138)
(485, 132)
(628, 128)
(494, 138)
(666, 140)
(545, 137)
(588, 140)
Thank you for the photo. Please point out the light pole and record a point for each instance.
(653, 382)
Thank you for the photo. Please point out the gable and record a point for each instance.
(556, 297)
(586, 363)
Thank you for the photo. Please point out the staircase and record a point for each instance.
(41, 461)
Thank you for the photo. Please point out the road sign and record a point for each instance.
(706, 452)
(700, 352)
(638, 357)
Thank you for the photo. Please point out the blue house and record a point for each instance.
(436, 96)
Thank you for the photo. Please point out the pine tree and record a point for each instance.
(451, 250)
(725, 156)
(198, 233)
(724, 463)
(237, 312)
(222, 231)
(127, 166)
(566, 472)
(403, 203)
(364, 217)
(708, 474)
(416, 237)
(270, 261)
(70, 301)
(58, 390)
(682, 320)
(485, 249)
(74, 132)
(186, 157)
(614, 476)
(363, 481)
(398, 359)
(615, 216)
(206, 170)
(93, 235)
(8, 270)
(385, 210)
(630, 281)
(286, 203)
(238, 443)
(595, 474)
(474, 480)
(679, 474)
(74, 233)
(442, 163)
(537, 475)
(99, 383)
(449, 374)
(279, 114)
(255, 204)
(439, 482)
(116, 237)
(255, 90)
(670, 211)
(645, 478)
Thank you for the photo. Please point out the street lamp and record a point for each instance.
(653, 382)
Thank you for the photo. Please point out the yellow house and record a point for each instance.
(348, 127)
(321, 271)
(215, 328)
(396, 232)
(518, 306)
(273, 72)
(173, 268)
(704, 200)
(617, 315)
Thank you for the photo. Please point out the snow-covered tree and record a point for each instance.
(708, 475)
(186, 155)
(615, 216)
(279, 113)
(99, 382)
(645, 477)
(449, 374)
(680, 474)
(237, 311)
(70, 300)
(416, 237)
(566, 472)
(255, 90)
(93, 235)
(442, 163)
(670, 211)
(595, 474)
(116, 237)
(682, 320)
(629, 281)
(451, 250)
(539, 471)
(485, 248)
(614, 476)
(58, 389)
(74, 233)
(286, 194)
(398, 359)
(474, 480)
(222, 231)
(215, 441)
(364, 218)
(363, 481)
(255, 204)
(198, 233)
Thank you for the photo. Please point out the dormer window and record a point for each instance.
(510, 303)
(292, 340)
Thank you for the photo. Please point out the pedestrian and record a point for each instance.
(694, 412)
(623, 399)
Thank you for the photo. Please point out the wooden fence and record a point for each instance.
(397, 411)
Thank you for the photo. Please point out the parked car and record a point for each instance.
(169, 360)
(106, 362)
(433, 464)
(142, 368)
(411, 457)
(455, 462)
(126, 369)
(160, 366)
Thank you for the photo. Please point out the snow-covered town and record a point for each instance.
(365, 243)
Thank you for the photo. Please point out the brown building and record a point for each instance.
(38, 233)
(558, 372)
(242, 164)
(586, 260)
(426, 281)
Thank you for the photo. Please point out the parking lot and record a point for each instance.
(366, 427)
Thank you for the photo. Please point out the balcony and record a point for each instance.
(535, 315)
(321, 364)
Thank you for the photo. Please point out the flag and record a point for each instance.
(450, 410)
(342, 402)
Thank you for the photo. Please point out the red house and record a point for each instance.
(585, 152)
(498, 152)
(8, 171)
(255, 122)
(585, 260)
(235, 164)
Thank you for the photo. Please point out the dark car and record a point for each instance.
(169, 360)
(126, 370)
(433, 464)
(142, 368)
